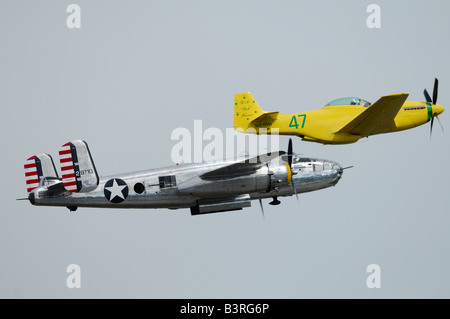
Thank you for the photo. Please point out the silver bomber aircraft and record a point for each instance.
(204, 188)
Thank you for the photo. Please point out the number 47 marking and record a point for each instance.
(294, 123)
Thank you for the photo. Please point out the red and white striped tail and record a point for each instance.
(37, 167)
(77, 168)
(67, 169)
(31, 175)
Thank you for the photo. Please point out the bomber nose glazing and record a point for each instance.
(339, 169)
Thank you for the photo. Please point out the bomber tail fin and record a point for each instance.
(38, 167)
(77, 167)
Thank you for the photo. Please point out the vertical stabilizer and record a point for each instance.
(246, 109)
(36, 168)
(77, 167)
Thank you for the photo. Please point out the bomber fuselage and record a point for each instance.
(184, 186)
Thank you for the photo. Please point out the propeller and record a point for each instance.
(262, 208)
(290, 167)
(289, 158)
(440, 124)
(433, 102)
(275, 200)
(289, 152)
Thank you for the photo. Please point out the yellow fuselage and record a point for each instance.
(323, 125)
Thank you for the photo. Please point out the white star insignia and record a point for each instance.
(116, 190)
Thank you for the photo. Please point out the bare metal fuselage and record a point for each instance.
(189, 186)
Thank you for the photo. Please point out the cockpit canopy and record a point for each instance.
(350, 101)
(298, 159)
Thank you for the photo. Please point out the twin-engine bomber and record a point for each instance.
(204, 187)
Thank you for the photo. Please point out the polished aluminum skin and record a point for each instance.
(205, 187)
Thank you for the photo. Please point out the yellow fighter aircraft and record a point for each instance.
(341, 121)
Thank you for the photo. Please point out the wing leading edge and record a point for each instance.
(381, 112)
(244, 167)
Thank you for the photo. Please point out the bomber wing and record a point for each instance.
(247, 166)
(380, 113)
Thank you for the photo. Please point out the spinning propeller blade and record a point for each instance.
(431, 126)
(435, 90)
(427, 96)
(290, 152)
(440, 124)
(433, 102)
(262, 208)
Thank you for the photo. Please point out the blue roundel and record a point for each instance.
(116, 190)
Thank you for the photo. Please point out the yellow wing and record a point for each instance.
(378, 115)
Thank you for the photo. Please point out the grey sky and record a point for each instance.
(136, 71)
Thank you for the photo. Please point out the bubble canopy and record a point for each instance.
(349, 101)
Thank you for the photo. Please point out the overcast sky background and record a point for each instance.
(137, 70)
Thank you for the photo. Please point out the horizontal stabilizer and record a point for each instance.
(77, 167)
(264, 118)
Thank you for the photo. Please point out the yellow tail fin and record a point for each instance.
(246, 109)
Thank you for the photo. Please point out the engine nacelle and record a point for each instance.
(266, 178)
(279, 173)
